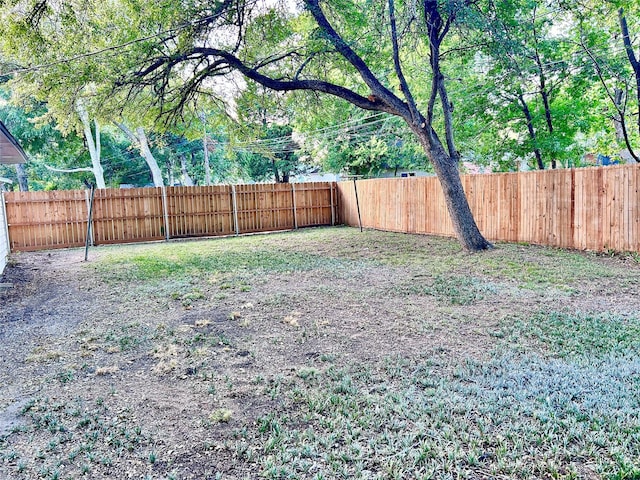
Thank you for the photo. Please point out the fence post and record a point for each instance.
(333, 213)
(295, 209)
(89, 239)
(235, 209)
(165, 211)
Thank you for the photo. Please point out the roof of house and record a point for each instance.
(10, 149)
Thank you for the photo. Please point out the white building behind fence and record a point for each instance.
(10, 153)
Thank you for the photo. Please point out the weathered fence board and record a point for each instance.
(587, 208)
(40, 220)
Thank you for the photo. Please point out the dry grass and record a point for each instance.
(323, 353)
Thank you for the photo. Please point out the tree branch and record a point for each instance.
(404, 86)
(130, 135)
(252, 73)
(382, 92)
(68, 170)
(626, 40)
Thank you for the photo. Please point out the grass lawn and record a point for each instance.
(320, 354)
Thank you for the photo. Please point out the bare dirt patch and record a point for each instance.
(137, 375)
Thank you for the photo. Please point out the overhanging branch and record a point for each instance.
(68, 170)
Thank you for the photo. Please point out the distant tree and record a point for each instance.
(273, 156)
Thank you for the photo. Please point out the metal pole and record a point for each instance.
(235, 209)
(165, 212)
(293, 196)
(89, 220)
(355, 188)
(87, 199)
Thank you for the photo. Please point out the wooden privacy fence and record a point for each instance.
(58, 219)
(588, 208)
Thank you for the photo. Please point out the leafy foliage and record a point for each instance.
(524, 79)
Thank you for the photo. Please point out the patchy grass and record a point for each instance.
(322, 354)
(576, 334)
(509, 418)
(230, 256)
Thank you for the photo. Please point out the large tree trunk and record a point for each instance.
(149, 158)
(446, 168)
(187, 181)
(92, 143)
(23, 182)
(633, 60)
(139, 138)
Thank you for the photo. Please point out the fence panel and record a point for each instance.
(128, 215)
(41, 220)
(263, 208)
(314, 203)
(588, 208)
(58, 219)
(200, 211)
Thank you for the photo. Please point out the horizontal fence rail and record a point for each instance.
(588, 208)
(58, 219)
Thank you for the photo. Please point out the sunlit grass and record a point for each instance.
(253, 254)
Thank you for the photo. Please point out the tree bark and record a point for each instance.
(460, 213)
(207, 165)
(139, 138)
(274, 169)
(23, 182)
(149, 158)
(633, 60)
(92, 143)
(187, 181)
(205, 148)
(617, 119)
(532, 131)
(547, 109)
